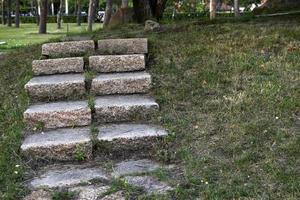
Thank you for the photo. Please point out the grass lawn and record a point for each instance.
(229, 94)
(27, 34)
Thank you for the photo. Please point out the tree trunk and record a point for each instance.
(17, 19)
(236, 8)
(3, 12)
(52, 8)
(37, 15)
(212, 9)
(43, 17)
(141, 10)
(67, 7)
(59, 13)
(91, 14)
(108, 12)
(124, 4)
(78, 20)
(9, 19)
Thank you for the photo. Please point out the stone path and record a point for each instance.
(66, 131)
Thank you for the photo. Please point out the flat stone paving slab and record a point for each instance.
(58, 66)
(58, 114)
(123, 46)
(68, 175)
(60, 49)
(121, 83)
(117, 63)
(117, 108)
(134, 167)
(60, 144)
(90, 192)
(149, 184)
(56, 87)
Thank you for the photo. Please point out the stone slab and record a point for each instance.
(121, 83)
(58, 66)
(56, 87)
(60, 144)
(117, 63)
(60, 49)
(115, 108)
(90, 192)
(67, 176)
(123, 46)
(58, 114)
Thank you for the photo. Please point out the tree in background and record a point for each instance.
(236, 8)
(17, 19)
(9, 19)
(59, 14)
(78, 14)
(91, 14)
(108, 12)
(212, 9)
(3, 12)
(43, 17)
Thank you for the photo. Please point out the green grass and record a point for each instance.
(229, 94)
(27, 34)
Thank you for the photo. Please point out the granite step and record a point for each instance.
(58, 66)
(117, 63)
(123, 46)
(118, 108)
(125, 140)
(56, 87)
(121, 83)
(64, 144)
(72, 48)
(58, 115)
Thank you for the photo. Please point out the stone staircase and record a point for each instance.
(69, 131)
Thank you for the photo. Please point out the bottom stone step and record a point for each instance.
(61, 144)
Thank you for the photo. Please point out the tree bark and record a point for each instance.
(59, 13)
(67, 7)
(43, 17)
(141, 10)
(3, 12)
(236, 8)
(37, 16)
(52, 8)
(9, 19)
(212, 9)
(17, 19)
(91, 14)
(108, 13)
(78, 18)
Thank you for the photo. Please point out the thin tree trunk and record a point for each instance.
(212, 9)
(43, 17)
(9, 19)
(108, 13)
(236, 8)
(59, 13)
(37, 15)
(91, 14)
(67, 7)
(3, 12)
(52, 8)
(78, 19)
(17, 19)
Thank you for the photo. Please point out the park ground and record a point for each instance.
(229, 95)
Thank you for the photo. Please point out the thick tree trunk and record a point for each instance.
(141, 10)
(17, 19)
(78, 20)
(91, 14)
(3, 12)
(236, 8)
(108, 12)
(9, 19)
(59, 13)
(212, 9)
(43, 17)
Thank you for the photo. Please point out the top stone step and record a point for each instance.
(60, 49)
(123, 46)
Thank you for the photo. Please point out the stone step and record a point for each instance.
(123, 46)
(56, 87)
(124, 140)
(72, 48)
(121, 83)
(117, 63)
(63, 176)
(58, 114)
(117, 108)
(58, 66)
(60, 144)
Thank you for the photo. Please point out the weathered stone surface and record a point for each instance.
(56, 87)
(57, 66)
(150, 184)
(151, 25)
(67, 176)
(134, 167)
(115, 196)
(58, 114)
(61, 144)
(123, 108)
(68, 48)
(123, 46)
(117, 63)
(90, 192)
(39, 195)
(121, 83)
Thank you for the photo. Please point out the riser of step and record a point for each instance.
(58, 114)
(121, 83)
(123, 46)
(58, 66)
(117, 63)
(56, 87)
(68, 48)
(123, 108)
(61, 144)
